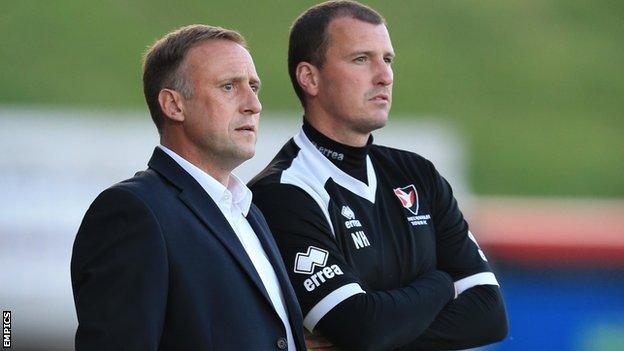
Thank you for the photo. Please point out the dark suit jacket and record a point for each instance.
(156, 266)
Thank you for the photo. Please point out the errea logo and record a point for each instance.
(306, 262)
(359, 238)
(347, 212)
(314, 257)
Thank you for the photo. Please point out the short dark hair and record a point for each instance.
(309, 38)
(162, 62)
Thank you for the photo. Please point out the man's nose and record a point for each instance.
(383, 75)
(251, 105)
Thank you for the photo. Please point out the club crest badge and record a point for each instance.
(408, 197)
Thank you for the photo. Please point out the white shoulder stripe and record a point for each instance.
(328, 302)
(485, 278)
(299, 175)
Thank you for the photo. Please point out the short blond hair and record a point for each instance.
(163, 59)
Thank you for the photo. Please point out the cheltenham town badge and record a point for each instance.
(408, 197)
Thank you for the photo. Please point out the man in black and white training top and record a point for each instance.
(375, 245)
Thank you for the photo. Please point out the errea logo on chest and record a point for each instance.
(408, 196)
(357, 235)
(351, 222)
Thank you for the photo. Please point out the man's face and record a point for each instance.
(355, 84)
(221, 117)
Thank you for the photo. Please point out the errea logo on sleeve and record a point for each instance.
(314, 257)
(306, 262)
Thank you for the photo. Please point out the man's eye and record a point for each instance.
(360, 59)
(255, 88)
(389, 59)
(228, 87)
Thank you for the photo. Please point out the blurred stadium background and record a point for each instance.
(520, 103)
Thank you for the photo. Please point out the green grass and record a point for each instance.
(537, 87)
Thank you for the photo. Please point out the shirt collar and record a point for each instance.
(241, 195)
(339, 154)
(236, 192)
(349, 159)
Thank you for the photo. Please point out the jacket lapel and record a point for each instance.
(202, 205)
(258, 223)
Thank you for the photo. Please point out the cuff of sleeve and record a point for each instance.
(485, 278)
(328, 302)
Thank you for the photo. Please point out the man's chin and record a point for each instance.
(375, 122)
(246, 154)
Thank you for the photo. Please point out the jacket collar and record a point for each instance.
(236, 192)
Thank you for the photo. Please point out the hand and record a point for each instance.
(318, 342)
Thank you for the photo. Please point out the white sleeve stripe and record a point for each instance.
(330, 301)
(485, 278)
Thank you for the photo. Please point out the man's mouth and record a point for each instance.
(246, 128)
(381, 97)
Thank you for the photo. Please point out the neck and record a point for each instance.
(334, 128)
(349, 159)
(206, 162)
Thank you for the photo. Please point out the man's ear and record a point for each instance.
(308, 78)
(172, 104)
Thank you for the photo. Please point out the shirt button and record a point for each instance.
(282, 344)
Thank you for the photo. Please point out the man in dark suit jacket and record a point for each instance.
(177, 257)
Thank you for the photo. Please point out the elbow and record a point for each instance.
(500, 332)
(499, 324)
(491, 324)
(495, 333)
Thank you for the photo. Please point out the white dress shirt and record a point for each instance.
(234, 202)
